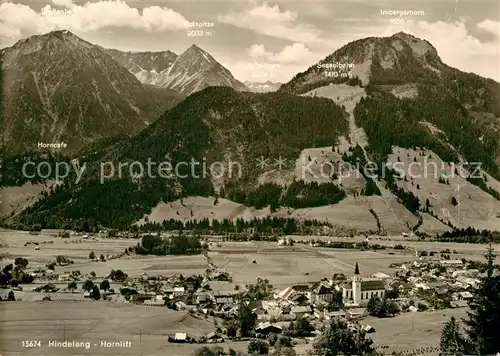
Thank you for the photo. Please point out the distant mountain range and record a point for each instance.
(266, 87)
(58, 87)
(191, 71)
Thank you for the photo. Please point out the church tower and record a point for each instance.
(356, 285)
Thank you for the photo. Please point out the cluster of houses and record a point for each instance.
(441, 279)
(323, 299)
(216, 296)
(213, 291)
(452, 281)
(419, 282)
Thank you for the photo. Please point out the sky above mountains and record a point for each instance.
(259, 40)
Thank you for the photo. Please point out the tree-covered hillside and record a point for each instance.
(216, 124)
(390, 121)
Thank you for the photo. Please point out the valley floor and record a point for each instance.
(148, 328)
(70, 317)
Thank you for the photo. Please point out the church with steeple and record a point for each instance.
(359, 290)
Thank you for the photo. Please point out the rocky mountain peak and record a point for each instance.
(399, 59)
(193, 70)
(198, 56)
(61, 34)
(419, 47)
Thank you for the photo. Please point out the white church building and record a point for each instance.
(359, 290)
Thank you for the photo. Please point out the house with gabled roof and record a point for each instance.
(300, 311)
(267, 328)
(299, 299)
(321, 293)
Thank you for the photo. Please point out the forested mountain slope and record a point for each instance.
(216, 124)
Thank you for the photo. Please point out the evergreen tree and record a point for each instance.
(246, 318)
(452, 342)
(483, 324)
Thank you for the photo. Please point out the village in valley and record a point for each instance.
(231, 293)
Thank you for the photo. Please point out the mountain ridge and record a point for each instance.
(191, 71)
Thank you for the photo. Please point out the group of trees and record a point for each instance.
(12, 167)
(301, 327)
(342, 339)
(282, 347)
(298, 194)
(354, 81)
(72, 286)
(89, 286)
(480, 182)
(14, 274)
(407, 198)
(246, 318)
(128, 292)
(483, 320)
(216, 351)
(258, 347)
(470, 235)
(63, 261)
(382, 307)
(265, 225)
(339, 338)
(92, 256)
(303, 195)
(278, 341)
(363, 245)
(379, 225)
(106, 209)
(175, 245)
(407, 70)
(259, 291)
(21, 262)
(117, 275)
(390, 121)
